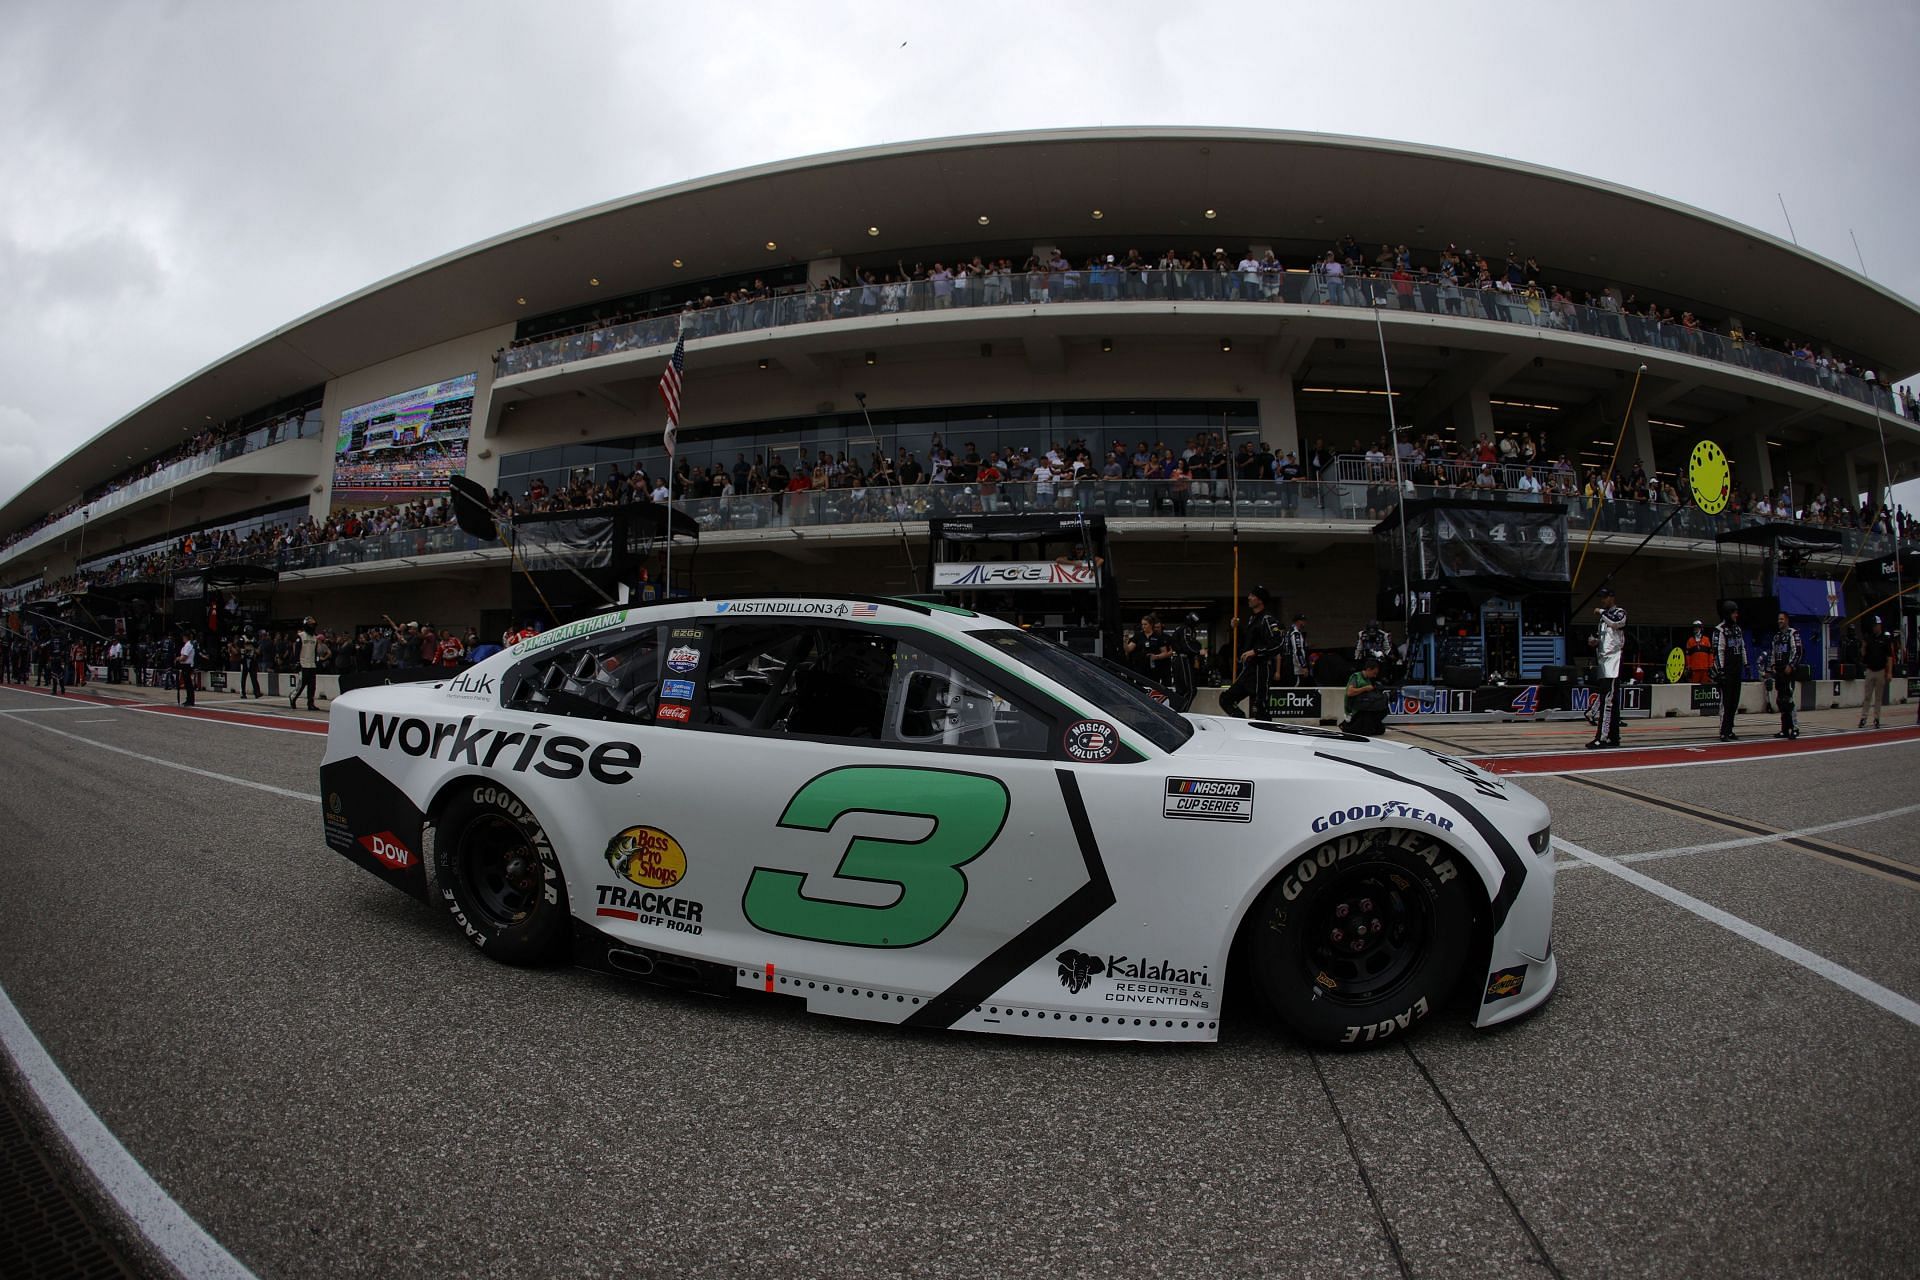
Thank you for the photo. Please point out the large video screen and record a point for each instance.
(404, 446)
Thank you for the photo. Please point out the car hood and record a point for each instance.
(1274, 743)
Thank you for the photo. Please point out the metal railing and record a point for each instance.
(1425, 294)
(225, 451)
(1358, 503)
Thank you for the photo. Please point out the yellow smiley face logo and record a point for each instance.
(1676, 666)
(1710, 478)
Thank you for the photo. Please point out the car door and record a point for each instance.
(867, 817)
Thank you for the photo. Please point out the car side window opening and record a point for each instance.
(814, 680)
(603, 676)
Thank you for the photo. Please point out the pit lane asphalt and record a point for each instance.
(333, 1084)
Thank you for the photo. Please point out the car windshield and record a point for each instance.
(1160, 725)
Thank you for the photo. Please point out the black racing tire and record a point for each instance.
(495, 872)
(1363, 937)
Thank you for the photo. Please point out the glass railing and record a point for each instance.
(173, 473)
(1420, 296)
(1357, 502)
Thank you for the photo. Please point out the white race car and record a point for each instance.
(915, 814)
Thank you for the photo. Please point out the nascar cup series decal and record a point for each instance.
(1090, 741)
(1209, 799)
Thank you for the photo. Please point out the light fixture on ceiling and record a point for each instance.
(771, 246)
(1213, 213)
(678, 263)
(872, 358)
(763, 363)
(873, 231)
(484, 454)
(1106, 344)
(1226, 344)
(984, 219)
(1097, 215)
(521, 301)
(593, 280)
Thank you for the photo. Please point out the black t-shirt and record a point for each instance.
(1878, 650)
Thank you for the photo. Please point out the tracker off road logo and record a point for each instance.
(1078, 970)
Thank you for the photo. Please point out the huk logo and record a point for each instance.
(471, 682)
(1078, 970)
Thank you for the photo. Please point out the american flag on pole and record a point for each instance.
(670, 389)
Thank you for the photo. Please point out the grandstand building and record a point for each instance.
(530, 363)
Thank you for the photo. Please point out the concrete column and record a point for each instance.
(1640, 443)
(1473, 416)
(1279, 424)
(822, 268)
(1752, 469)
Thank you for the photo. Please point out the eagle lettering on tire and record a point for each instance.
(1362, 937)
(498, 876)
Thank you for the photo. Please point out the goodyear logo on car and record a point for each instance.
(571, 631)
(1209, 799)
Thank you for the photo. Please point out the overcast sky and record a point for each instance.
(180, 178)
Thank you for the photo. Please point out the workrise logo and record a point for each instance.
(560, 756)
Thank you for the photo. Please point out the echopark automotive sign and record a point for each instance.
(1004, 574)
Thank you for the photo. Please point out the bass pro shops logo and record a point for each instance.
(647, 856)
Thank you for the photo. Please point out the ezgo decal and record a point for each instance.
(647, 856)
(1090, 740)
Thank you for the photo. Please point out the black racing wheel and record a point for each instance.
(1363, 936)
(497, 875)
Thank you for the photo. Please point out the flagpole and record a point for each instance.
(670, 382)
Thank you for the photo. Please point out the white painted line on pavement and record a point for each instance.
(172, 764)
(65, 706)
(1681, 851)
(1866, 988)
(1653, 855)
(155, 1214)
(101, 720)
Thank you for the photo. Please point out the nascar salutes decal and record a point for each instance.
(683, 658)
(1090, 741)
(1209, 799)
